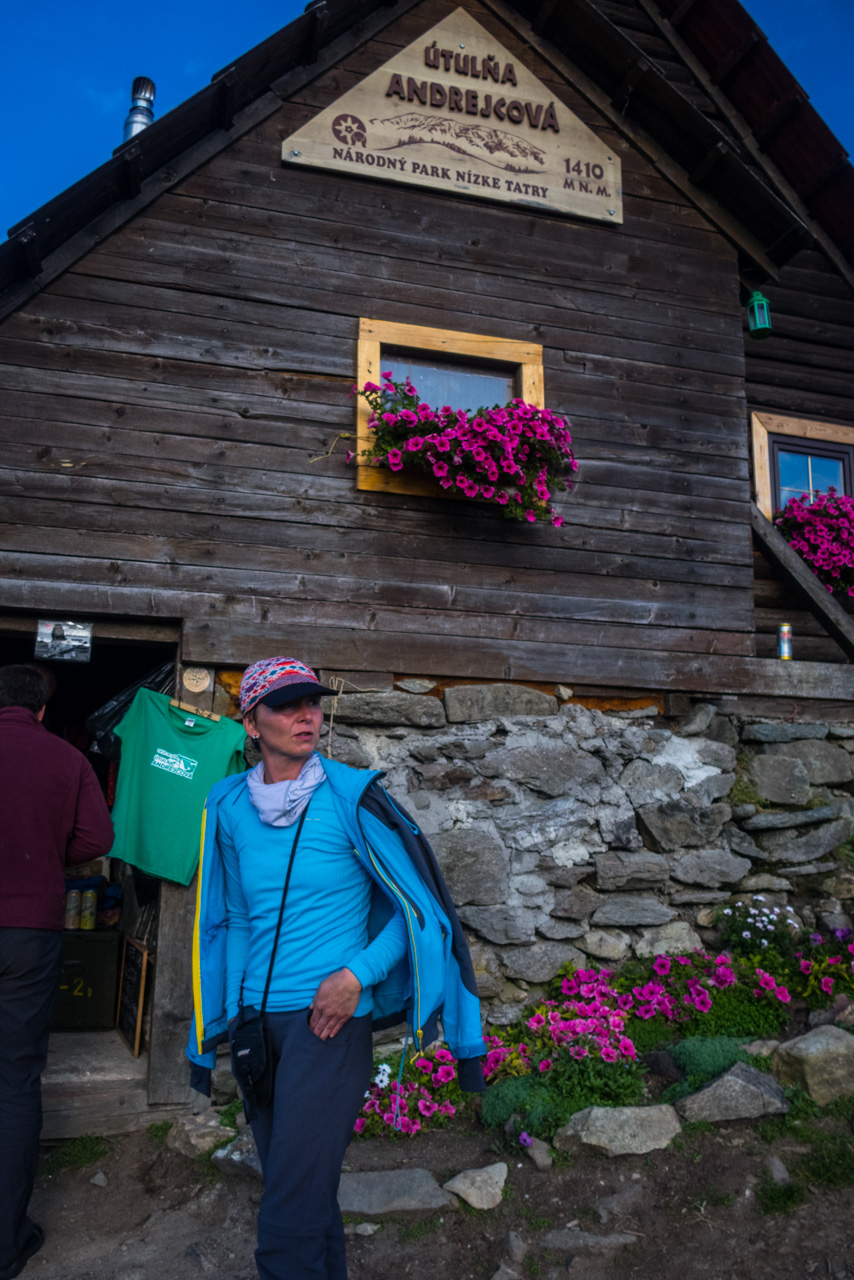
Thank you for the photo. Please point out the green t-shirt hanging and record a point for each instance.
(170, 761)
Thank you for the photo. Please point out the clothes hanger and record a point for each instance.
(194, 711)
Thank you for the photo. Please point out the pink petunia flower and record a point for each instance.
(444, 1074)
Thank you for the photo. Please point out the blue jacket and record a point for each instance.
(436, 978)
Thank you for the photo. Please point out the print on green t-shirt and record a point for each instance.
(170, 760)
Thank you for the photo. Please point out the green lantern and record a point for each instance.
(759, 315)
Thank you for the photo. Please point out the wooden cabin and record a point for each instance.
(180, 333)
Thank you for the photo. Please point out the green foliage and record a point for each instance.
(228, 1115)
(705, 1057)
(157, 1132)
(736, 1011)
(743, 791)
(845, 851)
(830, 1163)
(647, 1034)
(411, 1231)
(76, 1153)
(534, 1223)
(773, 1197)
(545, 1102)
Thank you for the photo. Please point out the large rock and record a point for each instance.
(822, 1062)
(487, 971)
(674, 939)
(697, 720)
(474, 864)
(539, 963)
(465, 703)
(577, 903)
(560, 930)
(552, 770)
(765, 883)
(646, 783)
(742, 1093)
(501, 924)
(621, 1131)
(780, 779)
(824, 762)
(196, 1135)
(391, 1191)
(677, 824)
(717, 754)
(240, 1158)
(390, 708)
(617, 869)
(481, 1188)
(741, 842)
(780, 732)
(774, 821)
(709, 867)
(782, 846)
(626, 910)
(606, 944)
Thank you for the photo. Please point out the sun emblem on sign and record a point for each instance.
(350, 130)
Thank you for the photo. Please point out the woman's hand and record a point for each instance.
(334, 1002)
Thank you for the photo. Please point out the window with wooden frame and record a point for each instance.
(792, 456)
(465, 370)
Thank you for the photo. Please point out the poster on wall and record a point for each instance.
(455, 111)
(64, 641)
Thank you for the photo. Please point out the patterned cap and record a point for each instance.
(286, 678)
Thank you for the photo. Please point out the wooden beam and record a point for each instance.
(709, 162)
(836, 622)
(681, 12)
(734, 58)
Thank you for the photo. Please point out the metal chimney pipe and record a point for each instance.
(141, 113)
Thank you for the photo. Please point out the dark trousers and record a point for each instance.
(301, 1139)
(30, 965)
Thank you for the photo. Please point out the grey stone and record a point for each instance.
(777, 1171)
(765, 883)
(579, 1242)
(99, 1180)
(760, 1048)
(606, 944)
(240, 1157)
(577, 903)
(516, 1247)
(722, 730)
(774, 821)
(841, 731)
(465, 703)
(741, 842)
(474, 864)
(621, 1131)
(717, 754)
(486, 970)
(698, 897)
(560, 930)
(781, 847)
(780, 779)
(646, 782)
(808, 869)
(626, 910)
(618, 869)
(822, 1062)
(742, 1093)
(390, 709)
(540, 1153)
(501, 924)
(620, 1203)
(550, 770)
(195, 1135)
(506, 1272)
(540, 963)
(417, 684)
(697, 720)
(673, 939)
(824, 762)
(618, 828)
(715, 787)
(676, 824)
(780, 732)
(501, 1015)
(709, 867)
(223, 1084)
(481, 1188)
(391, 1191)
(742, 811)
(563, 877)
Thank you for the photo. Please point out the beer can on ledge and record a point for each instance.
(72, 909)
(88, 910)
(784, 640)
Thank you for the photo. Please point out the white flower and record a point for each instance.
(759, 898)
(746, 933)
(727, 911)
(764, 941)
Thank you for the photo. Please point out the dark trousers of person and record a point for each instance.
(301, 1138)
(30, 965)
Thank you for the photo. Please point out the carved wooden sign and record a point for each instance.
(454, 111)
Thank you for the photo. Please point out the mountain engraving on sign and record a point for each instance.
(507, 139)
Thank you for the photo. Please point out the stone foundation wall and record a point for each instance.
(572, 834)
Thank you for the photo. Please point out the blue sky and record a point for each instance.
(65, 86)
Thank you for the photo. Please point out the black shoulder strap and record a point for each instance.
(282, 908)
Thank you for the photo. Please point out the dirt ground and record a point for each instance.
(162, 1216)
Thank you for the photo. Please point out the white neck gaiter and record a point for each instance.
(279, 804)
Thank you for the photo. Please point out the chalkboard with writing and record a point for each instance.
(135, 963)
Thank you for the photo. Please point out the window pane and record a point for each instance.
(461, 386)
(827, 472)
(794, 475)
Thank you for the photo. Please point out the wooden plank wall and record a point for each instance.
(164, 401)
(806, 370)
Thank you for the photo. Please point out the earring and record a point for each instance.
(257, 738)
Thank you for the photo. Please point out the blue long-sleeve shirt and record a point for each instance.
(325, 925)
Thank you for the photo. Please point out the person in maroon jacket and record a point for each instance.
(52, 815)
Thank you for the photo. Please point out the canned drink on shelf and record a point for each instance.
(784, 640)
(72, 909)
(88, 910)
